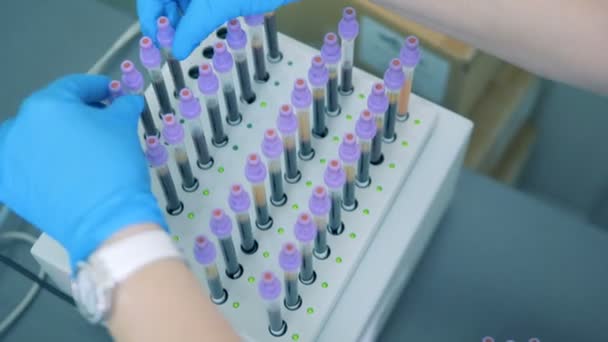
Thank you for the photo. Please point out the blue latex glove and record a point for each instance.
(75, 169)
(201, 17)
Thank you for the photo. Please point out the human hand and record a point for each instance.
(75, 169)
(200, 18)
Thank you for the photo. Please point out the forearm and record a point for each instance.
(561, 40)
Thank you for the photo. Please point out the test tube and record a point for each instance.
(287, 123)
(173, 132)
(165, 34)
(269, 288)
(393, 81)
(272, 37)
(223, 64)
(318, 77)
(256, 34)
(301, 99)
(330, 51)
(115, 89)
(410, 56)
(190, 108)
(151, 58)
(208, 85)
(366, 130)
(237, 41)
(319, 205)
(221, 227)
(349, 152)
(290, 260)
(305, 232)
(133, 81)
(377, 103)
(239, 202)
(348, 28)
(255, 172)
(272, 148)
(335, 178)
(206, 254)
(157, 156)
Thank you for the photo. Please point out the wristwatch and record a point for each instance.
(96, 279)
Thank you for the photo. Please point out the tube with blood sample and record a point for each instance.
(269, 288)
(150, 57)
(237, 41)
(173, 132)
(290, 260)
(410, 56)
(365, 128)
(349, 152)
(239, 203)
(256, 34)
(377, 103)
(133, 81)
(272, 38)
(306, 232)
(301, 99)
(221, 227)
(206, 254)
(335, 177)
(115, 89)
(272, 148)
(223, 64)
(393, 81)
(287, 123)
(319, 205)
(208, 85)
(348, 28)
(191, 111)
(165, 34)
(318, 77)
(330, 51)
(255, 172)
(157, 156)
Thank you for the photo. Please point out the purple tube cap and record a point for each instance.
(204, 250)
(319, 202)
(189, 105)
(366, 126)
(222, 58)
(253, 20)
(377, 101)
(272, 146)
(330, 51)
(236, 37)
(156, 153)
(318, 75)
(220, 223)
(164, 32)
(290, 258)
(334, 175)
(238, 200)
(116, 90)
(349, 150)
(394, 77)
(208, 83)
(149, 55)
(301, 97)
(255, 170)
(287, 123)
(269, 287)
(348, 26)
(304, 228)
(172, 130)
(131, 77)
(410, 52)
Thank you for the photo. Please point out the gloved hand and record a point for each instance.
(200, 18)
(75, 169)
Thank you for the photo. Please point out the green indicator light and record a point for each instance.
(295, 337)
(365, 211)
(352, 235)
(235, 147)
(322, 160)
(405, 143)
(338, 260)
(263, 104)
(220, 169)
(336, 138)
(290, 63)
(249, 125)
(392, 165)
(266, 254)
(308, 184)
(206, 192)
(310, 310)
(417, 122)
(349, 117)
(324, 284)
(191, 216)
(379, 188)
(175, 238)
(276, 83)
(236, 305)
(251, 280)
(295, 207)
(281, 230)
(362, 96)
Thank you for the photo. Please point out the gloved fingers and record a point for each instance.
(148, 11)
(183, 5)
(127, 109)
(195, 25)
(172, 12)
(80, 87)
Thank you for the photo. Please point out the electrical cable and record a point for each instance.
(129, 34)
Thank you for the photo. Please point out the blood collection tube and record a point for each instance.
(349, 152)
(272, 38)
(239, 203)
(223, 64)
(151, 58)
(287, 123)
(237, 41)
(365, 128)
(190, 108)
(319, 205)
(208, 85)
(410, 56)
(330, 51)
(133, 81)
(377, 103)
(164, 34)
(157, 156)
(173, 132)
(115, 89)
(290, 260)
(221, 227)
(318, 77)
(206, 254)
(301, 99)
(272, 148)
(348, 28)
(269, 288)
(256, 34)
(393, 81)
(335, 178)
(306, 232)
(255, 172)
